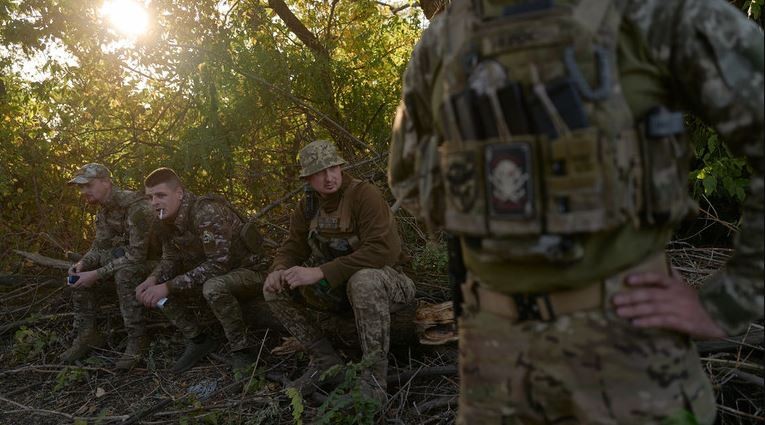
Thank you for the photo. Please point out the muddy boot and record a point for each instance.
(373, 382)
(81, 346)
(242, 359)
(136, 345)
(196, 349)
(323, 357)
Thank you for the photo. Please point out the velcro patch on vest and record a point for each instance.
(460, 180)
(509, 180)
(499, 42)
(328, 223)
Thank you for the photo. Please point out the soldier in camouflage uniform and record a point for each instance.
(119, 255)
(207, 247)
(543, 136)
(339, 256)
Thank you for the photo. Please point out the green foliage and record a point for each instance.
(346, 405)
(432, 258)
(68, 376)
(682, 417)
(296, 403)
(720, 174)
(226, 97)
(752, 8)
(32, 344)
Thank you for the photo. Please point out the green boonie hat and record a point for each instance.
(317, 156)
(88, 172)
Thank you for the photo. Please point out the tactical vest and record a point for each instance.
(540, 141)
(332, 235)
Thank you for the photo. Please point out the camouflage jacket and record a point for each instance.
(123, 226)
(704, 57)
(202, 242)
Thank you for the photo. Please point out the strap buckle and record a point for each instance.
(534, 307)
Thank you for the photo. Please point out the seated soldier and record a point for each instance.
(340, 255)
(118, 254)
(207, 247)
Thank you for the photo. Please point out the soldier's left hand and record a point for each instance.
(86, 280)
(302, 276)
(153, 294)
(660, 301)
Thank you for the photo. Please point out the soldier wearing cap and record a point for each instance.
(339, 256)
(209, 250)
(118, 254)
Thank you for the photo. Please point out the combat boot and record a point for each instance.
(196, 349)
(81, 346)
(133, 352)
(323, 357)
(373, 382)
(242, 359)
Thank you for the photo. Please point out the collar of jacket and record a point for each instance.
(181, 220)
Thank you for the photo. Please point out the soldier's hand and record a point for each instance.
(659, 301)
(149, 282)
(76, 268)
(86, 280)
(274, 282)
(302, 276)
(153, 294)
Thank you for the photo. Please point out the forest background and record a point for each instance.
(226, 93)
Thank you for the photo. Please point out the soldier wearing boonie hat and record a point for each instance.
(339, 256)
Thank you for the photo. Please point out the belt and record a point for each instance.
(546, 306)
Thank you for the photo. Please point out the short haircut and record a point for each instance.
(163, 175)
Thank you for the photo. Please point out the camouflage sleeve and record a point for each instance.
(294, 250)
(413, 173)
(168, 264)
(92, 259)
(714, 55)
(216, 231)
(139, 223)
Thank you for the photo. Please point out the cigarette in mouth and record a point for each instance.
(161, 213)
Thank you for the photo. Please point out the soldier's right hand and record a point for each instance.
(149, 282)
(76, 268)
(274, 281)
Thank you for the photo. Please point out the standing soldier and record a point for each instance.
(207, 247)
(118, 254)
(340, 255)
(543, 135)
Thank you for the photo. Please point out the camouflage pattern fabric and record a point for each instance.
(582, 368)
(222, 295)
(88, 172)
(701, 56)
(118, 254)
(317, 156)
(373, 295)
(203, 242)
(87, 301)
(123, 226)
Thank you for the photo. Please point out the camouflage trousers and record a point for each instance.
(587, 367)
(373, 294)
(222, 295)
(87, 300)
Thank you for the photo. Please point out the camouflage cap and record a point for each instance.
(317, 156)
(88, 172)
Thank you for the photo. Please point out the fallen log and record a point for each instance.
(43, 260)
